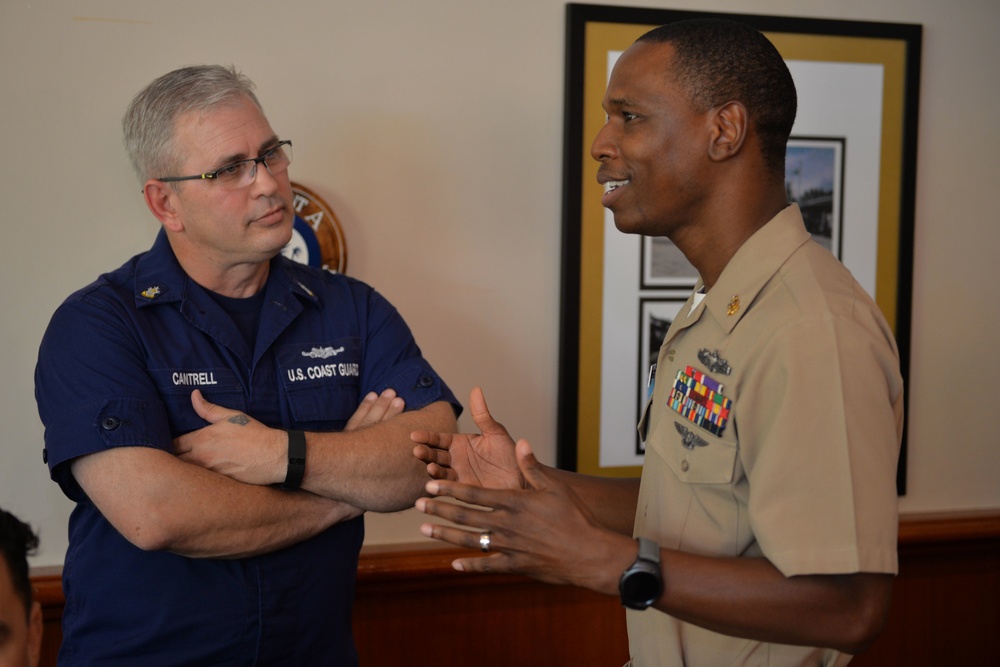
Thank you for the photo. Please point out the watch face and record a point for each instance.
(640, 588)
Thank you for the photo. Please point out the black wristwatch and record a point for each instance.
(642, 583)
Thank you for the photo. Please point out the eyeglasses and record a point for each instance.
(242, 173)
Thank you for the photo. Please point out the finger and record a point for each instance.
(441, 472)
(456, 513)
(181, 447)
(495, 562)
(359, 413)
(432, 455)
(201, 404)
(375, 408)
(378, 409)
(473, 495)
(533, 473)
(461, 538)
(481, 414)
(433, 439)
(388, 406)
(207, 410)
(362, 415)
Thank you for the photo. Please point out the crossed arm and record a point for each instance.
(565, 528)
(159, 501)
(368, 465)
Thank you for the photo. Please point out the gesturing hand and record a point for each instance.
(545, 531)
(485, 459)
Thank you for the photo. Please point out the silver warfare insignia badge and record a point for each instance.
(714, 362)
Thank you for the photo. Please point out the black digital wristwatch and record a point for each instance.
(642, 583)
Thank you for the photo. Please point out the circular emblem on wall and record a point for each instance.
(317, 239)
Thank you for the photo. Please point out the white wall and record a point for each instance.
(434, 129)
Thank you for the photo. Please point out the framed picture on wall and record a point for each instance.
(851, 167)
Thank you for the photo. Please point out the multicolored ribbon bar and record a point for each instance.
(699, 399)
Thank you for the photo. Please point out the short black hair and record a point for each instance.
(719, 61)
(17, 541)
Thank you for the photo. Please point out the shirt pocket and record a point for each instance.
(322, 381)
(693, 454)
(218, 385)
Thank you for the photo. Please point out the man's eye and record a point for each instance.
(232, 170)
(628, 116)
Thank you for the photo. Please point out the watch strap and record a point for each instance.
(649, 550)
(296, 460)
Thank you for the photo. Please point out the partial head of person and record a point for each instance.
(213, 171)
(694, 108)
(20, 614)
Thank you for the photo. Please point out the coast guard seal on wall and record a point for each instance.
(317, 239)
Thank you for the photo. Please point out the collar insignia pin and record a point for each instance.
(150, 292)
(305, 289)
(734, 305)
(714, 362)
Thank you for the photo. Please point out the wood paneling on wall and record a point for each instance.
(412, 609)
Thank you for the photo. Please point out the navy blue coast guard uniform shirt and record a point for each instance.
(116, 369)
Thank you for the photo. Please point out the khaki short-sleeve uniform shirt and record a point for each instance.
(773, 430)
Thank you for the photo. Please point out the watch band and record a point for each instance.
(649, 550)
(296, 460)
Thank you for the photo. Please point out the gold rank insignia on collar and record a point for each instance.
(734, 305)
(150, 292)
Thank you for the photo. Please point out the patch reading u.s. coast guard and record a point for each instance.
(337, 361)
(699, 399)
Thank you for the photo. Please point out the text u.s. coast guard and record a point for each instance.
(318, 371)
(323, 371)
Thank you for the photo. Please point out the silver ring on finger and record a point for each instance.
(484, 542)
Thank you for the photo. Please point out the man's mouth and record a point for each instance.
(271, 216)
(611, 189)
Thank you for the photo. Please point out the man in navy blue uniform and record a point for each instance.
(221, 415)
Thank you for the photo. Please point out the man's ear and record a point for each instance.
(729, 131)
(35, 627)
(163, 203)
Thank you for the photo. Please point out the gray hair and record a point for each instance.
(149, 122)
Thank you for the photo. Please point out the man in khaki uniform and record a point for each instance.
(766, 515)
